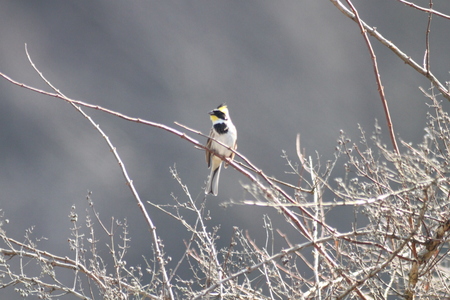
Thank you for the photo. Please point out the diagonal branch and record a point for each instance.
(391, 46)
(378, 78)
(272, 192)
(129, 182)
(427, 10)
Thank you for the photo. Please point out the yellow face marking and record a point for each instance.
(220, 113)
(213, 118)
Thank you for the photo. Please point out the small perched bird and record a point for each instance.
(223, 131)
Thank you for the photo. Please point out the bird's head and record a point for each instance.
(220, 113)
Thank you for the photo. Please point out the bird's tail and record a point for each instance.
(213, 182)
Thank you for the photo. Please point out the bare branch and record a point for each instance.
(391, 46)
(128, 180)
(427, 10)
(378, 78)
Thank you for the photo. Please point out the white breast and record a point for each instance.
(228, 139)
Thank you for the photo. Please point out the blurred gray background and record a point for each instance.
(283, 68)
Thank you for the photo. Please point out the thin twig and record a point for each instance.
(378, 78)
(376, 269)
(315, 228)
(128, 180)
(427, 40)
(391, 46)
(270, 259)
(427, 10)
(63, 262)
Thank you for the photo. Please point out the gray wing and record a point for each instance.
(208, 153)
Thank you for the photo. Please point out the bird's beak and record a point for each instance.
(211, 113)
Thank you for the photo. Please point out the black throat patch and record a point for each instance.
(221, 128)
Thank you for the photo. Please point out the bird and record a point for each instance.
(224, 131)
